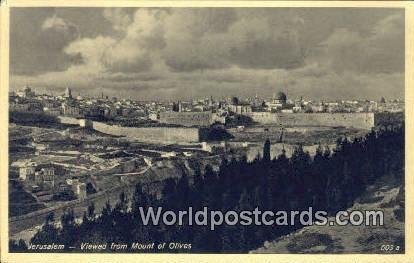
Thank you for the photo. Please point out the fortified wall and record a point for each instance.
(144, 134)
(150, 134)
(355, 120)
(201, 119)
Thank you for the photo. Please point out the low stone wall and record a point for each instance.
(69, 120)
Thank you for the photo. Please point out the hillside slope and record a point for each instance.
(386, 194)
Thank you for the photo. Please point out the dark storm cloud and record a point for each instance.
(122, 77)
(256, 42)
(379, 51)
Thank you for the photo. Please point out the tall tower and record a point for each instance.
(68, 93)
(177, 106)
(27, 92)
(180, 106)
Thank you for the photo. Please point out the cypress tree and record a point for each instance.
(266, 151)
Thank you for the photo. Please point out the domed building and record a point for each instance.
(277, 103)
(280, 98)
(235, 101)
(26, 92)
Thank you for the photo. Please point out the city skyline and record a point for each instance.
(149, 53)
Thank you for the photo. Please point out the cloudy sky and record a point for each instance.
(148, 53)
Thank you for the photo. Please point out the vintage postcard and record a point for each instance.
(206, 131)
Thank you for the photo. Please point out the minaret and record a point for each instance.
(180, 106)
(68, 93)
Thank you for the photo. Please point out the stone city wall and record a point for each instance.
(151, 134)
(188, 118)
(355, 120)
(145, 134)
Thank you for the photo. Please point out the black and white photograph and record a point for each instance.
(206, 130)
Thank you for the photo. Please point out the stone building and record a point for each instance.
(70, 109)
(240, 108)
(79, 189)
(45, 177)
(26, 92)
(27, 171)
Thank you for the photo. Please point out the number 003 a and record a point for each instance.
(390, 248)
